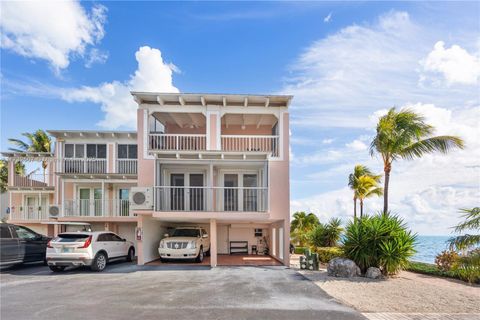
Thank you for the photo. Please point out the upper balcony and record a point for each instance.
(244, 126)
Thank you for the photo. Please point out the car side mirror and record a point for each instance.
(166, 235)
(124, 240)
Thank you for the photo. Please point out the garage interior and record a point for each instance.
(237, 244)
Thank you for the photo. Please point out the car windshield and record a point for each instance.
(186, 233)
(69, 237)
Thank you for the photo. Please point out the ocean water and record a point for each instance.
(428, 247)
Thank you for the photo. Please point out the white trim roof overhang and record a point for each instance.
(92, 134)
(210, 99)
(28, 156)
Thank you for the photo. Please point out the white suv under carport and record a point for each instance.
(185, 243)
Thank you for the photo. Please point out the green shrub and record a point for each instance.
(430, 269)
(325, 254)
(446, 259)
(468, 268)
(381, 241)
(300, 250)
(326, 235)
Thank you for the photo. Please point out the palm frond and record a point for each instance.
(442, 144)
(464, 241)
(472, 220)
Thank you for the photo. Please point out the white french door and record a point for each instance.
(187, 192)
(240, 191)
(90, 202)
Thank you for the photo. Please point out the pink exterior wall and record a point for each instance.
(146, 167)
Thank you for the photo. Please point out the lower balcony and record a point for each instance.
(28, 213)
(217, 199)
(97, 208)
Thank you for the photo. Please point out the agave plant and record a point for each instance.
(381, 241)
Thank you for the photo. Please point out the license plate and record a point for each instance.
(67, 250)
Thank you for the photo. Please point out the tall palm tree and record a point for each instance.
(367, 186)
(38, 141)
(405, 135)
(353, 179)
(472, 223)
(301, 225)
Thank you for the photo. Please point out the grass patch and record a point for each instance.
(430, 269)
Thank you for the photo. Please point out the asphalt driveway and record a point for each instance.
(126, 291)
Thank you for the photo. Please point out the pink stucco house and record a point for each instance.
(220, 161)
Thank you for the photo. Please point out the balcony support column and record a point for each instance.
(213, 243)
(210, 190)
(103, 198)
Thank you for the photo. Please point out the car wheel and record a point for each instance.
(131, 255)
(99, 262)
(57, 268)
(200, 255)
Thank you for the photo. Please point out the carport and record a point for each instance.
(232, 243)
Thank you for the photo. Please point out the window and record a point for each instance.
(69, 150)
(74, 150)
(258, 232)
(24, 233)
(186, 233)
(5, 232)
(127, 151)
(103, 237)
(97, 151)
(114, 237)
(79, 151)
(68, 237)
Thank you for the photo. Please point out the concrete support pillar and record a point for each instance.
(213, 243)
(140, 256)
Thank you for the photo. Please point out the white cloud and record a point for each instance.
(95, 56)
(152, 74)
(357, 145)
(454, 63)
(328, 18)
(54, 31)
(327, 141)
(341, 79)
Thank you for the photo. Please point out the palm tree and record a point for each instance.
(472, 222)
(353, 179)
(405, 135)
(367, 186)
(39, 141)
(19, 169)
(301, 225)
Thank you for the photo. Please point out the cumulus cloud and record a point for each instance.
(153, 74)
(357, 145)
(54, 31)
(455, 64)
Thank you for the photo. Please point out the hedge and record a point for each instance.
(300, 250)
(325, 254)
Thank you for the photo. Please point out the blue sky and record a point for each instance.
(345, 63)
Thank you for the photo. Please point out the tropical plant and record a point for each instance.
(38, 141)
(381, 241)
(405, 135)
(326, 235)
(367, 186)
(325, 254)
(471, 223)
(19, 169)
(446, 260)
(468, 267)
(301, 226)
(354, 179)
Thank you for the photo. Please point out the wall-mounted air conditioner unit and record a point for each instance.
(54, 211)
(141, 198)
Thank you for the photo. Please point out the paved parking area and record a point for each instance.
(127, 291)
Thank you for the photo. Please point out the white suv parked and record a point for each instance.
(92, 249)
(185, 243)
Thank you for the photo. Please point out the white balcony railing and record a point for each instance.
(97, 208)
(126, 166)
(254, 143)
(168, 198)
(29, 213)
(177, 142)
(83, 165)
(33, 181)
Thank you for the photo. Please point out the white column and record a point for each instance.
(63, 198)
(213, 243)
(103, 198)
(210, 190)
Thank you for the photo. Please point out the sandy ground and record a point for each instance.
(406, 293)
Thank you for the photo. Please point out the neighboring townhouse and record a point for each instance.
(212, 160)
